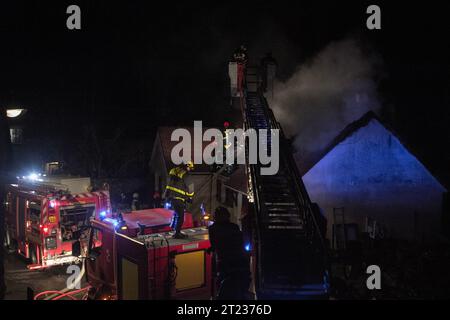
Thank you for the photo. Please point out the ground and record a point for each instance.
(19, 278)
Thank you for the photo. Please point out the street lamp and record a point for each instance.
(14, 113)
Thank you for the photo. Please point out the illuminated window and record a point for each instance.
(16, 135)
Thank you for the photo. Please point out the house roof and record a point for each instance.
(164, 135)
(347, 132)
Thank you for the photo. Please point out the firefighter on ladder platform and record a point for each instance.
(177, 194)
(241, 57)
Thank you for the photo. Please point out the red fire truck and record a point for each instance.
(135, 257)
(45, 215)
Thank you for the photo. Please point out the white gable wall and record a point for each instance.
(371, 174)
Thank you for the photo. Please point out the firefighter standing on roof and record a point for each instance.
(177, 194)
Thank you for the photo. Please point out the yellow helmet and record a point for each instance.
(190, 165)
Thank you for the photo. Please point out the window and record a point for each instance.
(74, 219)
(34, 211)
(16, 135)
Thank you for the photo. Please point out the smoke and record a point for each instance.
(324, 95)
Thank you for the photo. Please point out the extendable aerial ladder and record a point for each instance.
(290, 253)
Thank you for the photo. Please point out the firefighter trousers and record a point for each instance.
(178, 207)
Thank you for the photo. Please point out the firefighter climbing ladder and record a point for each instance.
(290, 253)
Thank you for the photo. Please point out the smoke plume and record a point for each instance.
(324, 95)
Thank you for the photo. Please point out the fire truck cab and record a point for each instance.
(45, 215)
(136, 258)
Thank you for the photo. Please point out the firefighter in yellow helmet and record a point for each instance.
(177, 194)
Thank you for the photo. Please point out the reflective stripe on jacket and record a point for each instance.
(177, 188)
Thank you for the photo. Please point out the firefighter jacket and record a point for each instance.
(177, 188)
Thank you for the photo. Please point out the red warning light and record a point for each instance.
(226, 124)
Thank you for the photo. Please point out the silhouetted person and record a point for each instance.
(157, 201)
(135, 203)
(233, 265)
(123, 205)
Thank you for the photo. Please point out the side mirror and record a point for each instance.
(76, 248)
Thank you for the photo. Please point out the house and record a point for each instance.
(212, 187)
(370, 175)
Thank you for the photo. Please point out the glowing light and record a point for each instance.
(33, 176)
(102, 214)
(124, 228)
(167, 205)
(14, 113)
(45, 229)
(52, 203)
(247, 247)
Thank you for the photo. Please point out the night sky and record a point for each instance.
(137, 65)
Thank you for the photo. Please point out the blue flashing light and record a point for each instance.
(114, 222)
(247, 247)
(103, 215)
(167, 205)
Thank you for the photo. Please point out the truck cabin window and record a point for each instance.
(34, 212)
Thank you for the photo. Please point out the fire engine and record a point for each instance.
(135, 257)
(46, 214)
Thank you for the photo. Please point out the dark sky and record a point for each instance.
(140, 65)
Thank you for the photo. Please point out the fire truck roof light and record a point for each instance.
(102, 215)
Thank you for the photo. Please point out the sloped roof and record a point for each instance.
(164, 134)
(347, 132)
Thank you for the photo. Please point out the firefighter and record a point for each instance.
(177, 194)
(135, 203)
(123, 205)
(232, 262)
(156, 200)
(240, 55)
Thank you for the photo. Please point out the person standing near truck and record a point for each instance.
(177, 194)
(232, 262)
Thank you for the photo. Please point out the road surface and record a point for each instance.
(19, 278)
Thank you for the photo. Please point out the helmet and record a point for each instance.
(190, 165)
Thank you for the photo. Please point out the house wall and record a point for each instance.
(371, 174)
(201, 185)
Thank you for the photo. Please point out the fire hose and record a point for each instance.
(58, 294)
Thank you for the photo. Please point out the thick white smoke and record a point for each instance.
(324, 95)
